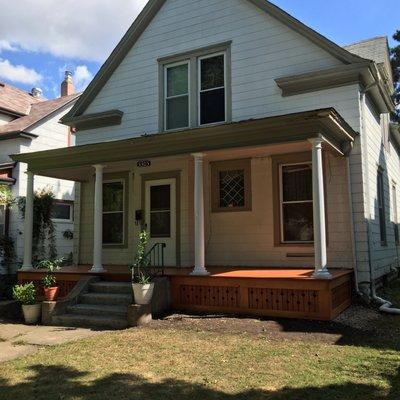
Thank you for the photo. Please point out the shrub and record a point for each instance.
(26, 293)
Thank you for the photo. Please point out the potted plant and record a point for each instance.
(142, 284)
(26, 295)
(49, 281)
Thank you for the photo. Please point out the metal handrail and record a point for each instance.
(155, 256)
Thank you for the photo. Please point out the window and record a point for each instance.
(177, 96)
(381, 207)
(2, 219)
(231, 185)
(296, 202)
(395, 214)
(160, 211)
(212, 89)
(62, 211)
(113, 212)
(195, 88)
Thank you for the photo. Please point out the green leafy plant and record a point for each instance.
(44, 241)
(6, 196)
(68, 234)
(49, 279)
(139, 273)
(26, 293)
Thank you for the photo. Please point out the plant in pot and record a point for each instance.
(51, 289)
(26, 295)
(142, 284)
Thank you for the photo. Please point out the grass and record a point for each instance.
(182, 364)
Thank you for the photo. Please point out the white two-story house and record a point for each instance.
(237, 137)
(29, 122)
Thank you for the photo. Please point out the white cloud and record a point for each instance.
(82, 77)
(18, 73)
(75, 29)
(7, 46)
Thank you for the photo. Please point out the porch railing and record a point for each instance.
(155, 258)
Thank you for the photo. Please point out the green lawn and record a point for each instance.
(170, 362)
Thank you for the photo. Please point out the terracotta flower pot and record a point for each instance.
(51, 294)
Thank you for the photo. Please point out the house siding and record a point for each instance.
(262, 49)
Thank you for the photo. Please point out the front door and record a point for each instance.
(160, 216)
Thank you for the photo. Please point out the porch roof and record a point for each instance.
(67, 163)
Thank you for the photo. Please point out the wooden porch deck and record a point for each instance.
(273, 292)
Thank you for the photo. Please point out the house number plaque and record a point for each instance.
(143, 163)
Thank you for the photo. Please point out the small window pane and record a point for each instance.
(212, 107)
(177, 112)
(160, 198)
(177, 80)
(62, 211)
(160, 224)
(113, 228)
(232, 189)
(297, 182)
(113, 196)
(212, 72)
(298, 222)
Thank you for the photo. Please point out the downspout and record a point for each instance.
(385, 305)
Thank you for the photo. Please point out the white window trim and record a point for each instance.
(71, 211)
(199, 91)
(166, 66)
(281, 203)
(117, 212)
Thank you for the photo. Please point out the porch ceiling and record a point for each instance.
(75, 163)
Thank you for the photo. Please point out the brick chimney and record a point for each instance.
(67, 85)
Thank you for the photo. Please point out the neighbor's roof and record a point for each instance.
(38, 111)
(16, 101)
(375, 49)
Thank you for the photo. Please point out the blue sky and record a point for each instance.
(40, 39)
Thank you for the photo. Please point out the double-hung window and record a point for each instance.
(381, 207)
(296, 202)
(177, 96)
(113, 212)
(212, 89)
(196, 88)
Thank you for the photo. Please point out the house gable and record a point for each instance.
(263, 48)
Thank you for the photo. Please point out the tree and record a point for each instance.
(395, 59)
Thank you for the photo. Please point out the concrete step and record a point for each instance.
(86, 321)
(98, 310)
(111, 287)
(105, 299)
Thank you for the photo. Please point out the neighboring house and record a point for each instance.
(238, 137)
(29, 122)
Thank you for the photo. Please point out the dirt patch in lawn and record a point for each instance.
(359, 325)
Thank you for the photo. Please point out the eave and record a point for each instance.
(17, 135)
(280, 129)
(364, 73)
(96, 120)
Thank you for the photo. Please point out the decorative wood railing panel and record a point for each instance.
(340, 294)
(214, 296)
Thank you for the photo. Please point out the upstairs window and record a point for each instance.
(212, 89)
(381, 207)
(177, 96)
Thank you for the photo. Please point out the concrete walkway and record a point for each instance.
(17, 340)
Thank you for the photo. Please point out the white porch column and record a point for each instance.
(199, 268)
(321, 269)
(28, 222)
(98, 221)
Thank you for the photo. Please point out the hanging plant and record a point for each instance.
(43, 227)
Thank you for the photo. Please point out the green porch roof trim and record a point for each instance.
(147, 15)
(96, 120)
(280, 129)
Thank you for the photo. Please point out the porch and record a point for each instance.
(264, 292)
(216, 196)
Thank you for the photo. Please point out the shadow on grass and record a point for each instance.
(58, 382)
